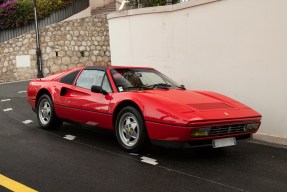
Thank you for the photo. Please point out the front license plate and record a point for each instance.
(223, 142)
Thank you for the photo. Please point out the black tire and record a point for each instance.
(46, 115)
(135, 130)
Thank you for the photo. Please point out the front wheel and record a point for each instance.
(130, 129)
(46, 114)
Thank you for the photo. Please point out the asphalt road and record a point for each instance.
(93, 161)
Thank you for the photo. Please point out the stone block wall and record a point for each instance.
(65, 45)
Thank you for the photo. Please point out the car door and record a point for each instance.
(85, 106)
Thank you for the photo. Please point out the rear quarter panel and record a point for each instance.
(35, 86)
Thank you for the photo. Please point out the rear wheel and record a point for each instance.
(130, 129)
(46, 114)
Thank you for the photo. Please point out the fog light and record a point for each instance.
(202, 132)
(252, 127)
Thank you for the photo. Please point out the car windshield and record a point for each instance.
(141, 79)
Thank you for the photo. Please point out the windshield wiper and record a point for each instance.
(181, 87)
(158, 85)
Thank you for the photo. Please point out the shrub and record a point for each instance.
(14, 13)
(7, 14)
(46, 7)
(152, 3)
(24, 12)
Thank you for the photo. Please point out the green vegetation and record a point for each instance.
(15, 13)
(46, 7)
(152, 3)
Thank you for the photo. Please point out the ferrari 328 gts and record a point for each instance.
(140, 105)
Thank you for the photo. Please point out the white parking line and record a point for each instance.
(8, 109)
(4, 100)
(135, 154)
(149, 160)
(14, 82)
(22, 91)
(27, 121)
(70, 137)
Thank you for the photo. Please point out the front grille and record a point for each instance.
(227, 129)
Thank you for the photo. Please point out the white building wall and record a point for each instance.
(234, 47)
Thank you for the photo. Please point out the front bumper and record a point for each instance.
(193, 144)
(166, 132)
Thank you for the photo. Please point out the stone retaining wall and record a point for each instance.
(64, 45)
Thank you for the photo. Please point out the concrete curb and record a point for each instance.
(270, 139)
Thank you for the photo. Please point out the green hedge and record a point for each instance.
(46, 7)
(152, 3)
(15, 13)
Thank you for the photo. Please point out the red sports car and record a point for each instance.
(139, 105)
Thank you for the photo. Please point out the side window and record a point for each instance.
(90, 77)
(106, 85)
(70, 78)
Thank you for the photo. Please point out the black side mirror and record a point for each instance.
(98, 89)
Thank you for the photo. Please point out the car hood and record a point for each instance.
(183, 107)
(195, 100)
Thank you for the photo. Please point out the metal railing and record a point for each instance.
(60, 15)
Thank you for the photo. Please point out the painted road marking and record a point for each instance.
(4, 100)
(70, 137)
(8, 109)
(22, 91)
(14, 185)
(135, 154)
(149, 160)
(27, 121)
(14, 82)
